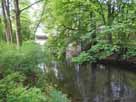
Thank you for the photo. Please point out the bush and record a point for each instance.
(19, 76)
(12, 90)
(95, 53)
(57, 96)
(25, 58)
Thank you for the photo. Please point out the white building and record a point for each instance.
(40, 37)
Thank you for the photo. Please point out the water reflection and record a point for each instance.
(97, 83)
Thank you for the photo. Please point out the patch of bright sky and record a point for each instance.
(34, 14)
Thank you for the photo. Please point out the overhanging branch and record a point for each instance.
(30, 5)
(40, 20)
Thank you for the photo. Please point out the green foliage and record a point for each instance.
(57, 96)
(83, 57)
(21, 80)
(99, 28)
(21, 94)
(24, 58)
(102, 50)
(12, 90)
(55, 48)
(130, 53)
(1, 29)
(106, 29)
(26, 29)
(96, 52)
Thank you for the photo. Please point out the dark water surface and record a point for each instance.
(97, 83)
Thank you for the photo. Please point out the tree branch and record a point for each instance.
(69, 28)
(30, 5)
(102, 12)
(40, 20)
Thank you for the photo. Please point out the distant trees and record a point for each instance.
(11, 12)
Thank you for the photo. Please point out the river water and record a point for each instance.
(96, 83)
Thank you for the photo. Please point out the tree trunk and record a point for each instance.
(18, 24)
(7, 20)
(109, 22)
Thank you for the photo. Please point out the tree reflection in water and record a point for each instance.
(97, 83)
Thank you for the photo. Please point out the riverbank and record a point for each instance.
(129, 63)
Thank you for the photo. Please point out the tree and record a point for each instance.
(18, 24)
(7, 20)
(92, 24)
(8, 10)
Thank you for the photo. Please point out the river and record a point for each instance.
(96, 82)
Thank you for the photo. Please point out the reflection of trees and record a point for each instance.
(117, 87)
(95, 84)
(66, 78)
(131, 80)
(109, 93)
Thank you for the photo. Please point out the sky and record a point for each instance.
(34, 13)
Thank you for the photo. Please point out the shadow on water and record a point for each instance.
(97, 83)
